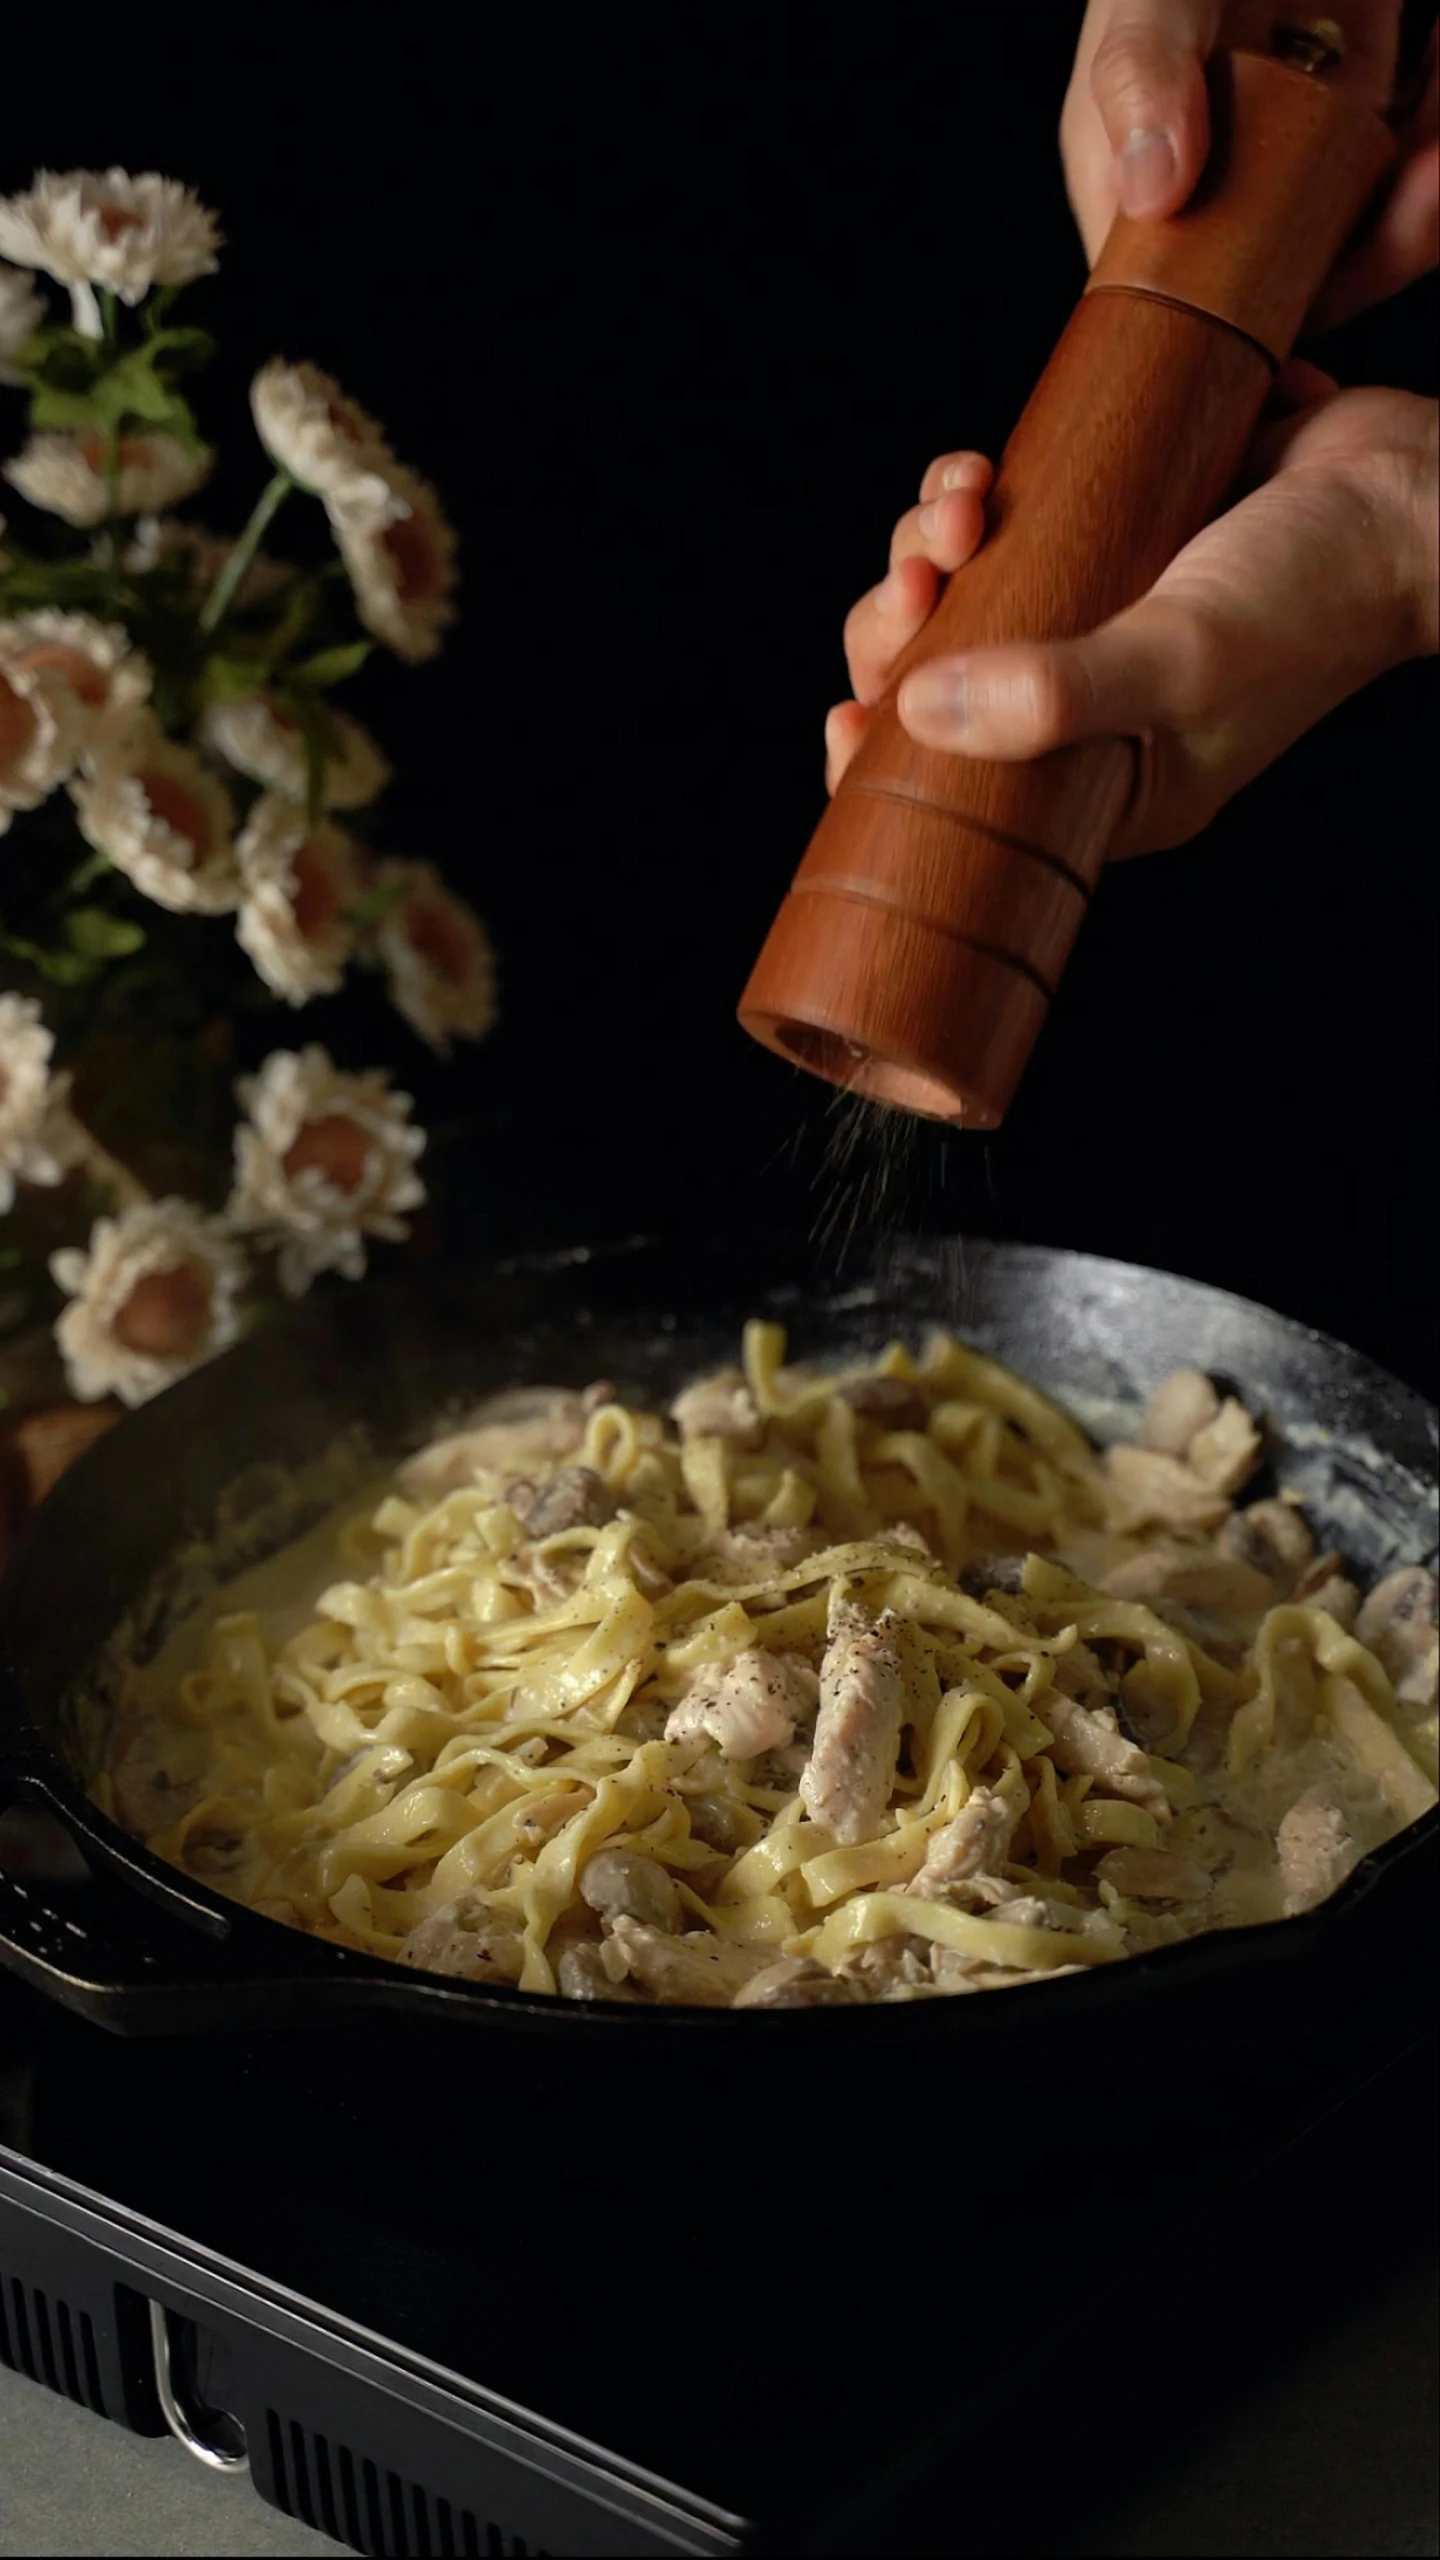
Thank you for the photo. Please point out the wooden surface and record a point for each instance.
(936, 906)
(1292, 164)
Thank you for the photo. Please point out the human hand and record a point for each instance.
(1318, 580)
(1135, 130)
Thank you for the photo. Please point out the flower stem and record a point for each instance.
(86, 1154)
(222, 595)
(109, 318)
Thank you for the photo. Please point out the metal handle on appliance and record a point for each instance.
(182, 2427)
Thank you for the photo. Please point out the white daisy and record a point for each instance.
(439, 957)
(325, 1160)
(204, 554)
(401, 559)
(107, 228)
(94, 661)
(68, 475)
(40, 736)
(163, 818)
(21, 312)
(261, 739)
(299, 885)
(317, 433)
(153, 1296)
(37, 1136)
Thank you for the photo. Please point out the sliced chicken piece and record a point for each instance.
(889, 1968)
(984, 1574)
(1204, 1581)
(699, 1970)
(907, 1533)
(895, 1403)
(1272, 1538)
(157, 1775)
(1226, 1453)
(467, 1938)
(625, 1884)
(1089, 1742)
(508, 1432)
(794, 1982)
(851, 1769)
(1397, 1624)
(1154, 1875)
(1182, 1404)
(975, 1842)
(1147, 1488)
(1315, 1850)
(580, 1975)
(752, 1705)
(719, 1408)
(572, 1498)
(748, 1553)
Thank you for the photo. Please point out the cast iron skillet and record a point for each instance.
(358, 1376)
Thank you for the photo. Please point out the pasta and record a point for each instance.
(823, 1688)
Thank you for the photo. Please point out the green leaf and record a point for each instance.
(181, 350)
(61, 409)
(61, 968)
(103, 937)
(234, 676)
(332, 666)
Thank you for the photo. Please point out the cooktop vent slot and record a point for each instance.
(353, 2499)
(49, 2343)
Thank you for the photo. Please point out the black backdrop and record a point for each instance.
(674, 308)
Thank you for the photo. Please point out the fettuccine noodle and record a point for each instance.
(876, 1684)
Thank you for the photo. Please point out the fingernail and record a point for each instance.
(937, 697)
(961, 475)
(1148, 169)
(928, 520)
(884, 597)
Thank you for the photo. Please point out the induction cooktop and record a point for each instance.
(477, 2331)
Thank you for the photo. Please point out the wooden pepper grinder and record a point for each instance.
(925, 932)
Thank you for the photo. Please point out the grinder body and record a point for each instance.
(923, 937)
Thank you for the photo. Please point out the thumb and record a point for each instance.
(1148, 82)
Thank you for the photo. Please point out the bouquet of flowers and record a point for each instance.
(185, 810)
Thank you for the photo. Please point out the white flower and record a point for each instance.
(163, 818)
(261, 740)
(203, 554)
(299, 886)
(401, 559)
(21, 312)
(439, 958)
(108, 228)
(326, 1160)
(67, 475)
(317, 433)
(37, 1136)
(40, 736)
(153, 1297)
(107, 679)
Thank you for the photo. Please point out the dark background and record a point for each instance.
(674, 308)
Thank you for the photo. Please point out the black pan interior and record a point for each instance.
(241, 1457)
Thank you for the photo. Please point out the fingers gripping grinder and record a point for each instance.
(924, 934)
